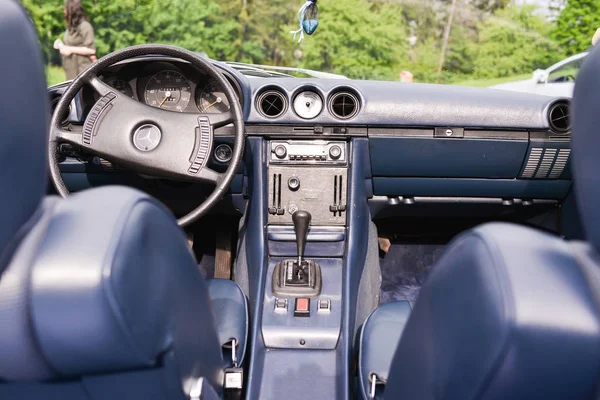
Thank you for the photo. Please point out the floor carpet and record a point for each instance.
(405, 268)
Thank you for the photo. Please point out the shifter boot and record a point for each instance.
(293, 280)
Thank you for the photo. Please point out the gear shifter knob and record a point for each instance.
(301, 221)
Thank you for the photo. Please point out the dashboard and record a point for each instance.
(423, 143)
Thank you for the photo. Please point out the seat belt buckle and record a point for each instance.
(234, 376)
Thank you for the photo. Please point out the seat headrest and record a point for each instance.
(586, 145)
(23, 126)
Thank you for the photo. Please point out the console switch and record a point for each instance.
(302, 307)
(281, 304)
(324, 306)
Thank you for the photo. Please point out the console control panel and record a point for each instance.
(306, 152)
(322, 191)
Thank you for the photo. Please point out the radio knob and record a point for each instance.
(294, 183)
(280, 151)
(335, 152)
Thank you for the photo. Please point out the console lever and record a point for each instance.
(301, 221)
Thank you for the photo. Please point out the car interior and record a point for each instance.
(173, 228)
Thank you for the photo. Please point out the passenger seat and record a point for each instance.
(508, 312)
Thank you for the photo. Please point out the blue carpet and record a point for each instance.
(405, 268)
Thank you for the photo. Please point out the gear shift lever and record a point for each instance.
(301, 221)
(300, 277)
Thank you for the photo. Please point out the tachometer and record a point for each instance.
(211, 100)
(169, 90)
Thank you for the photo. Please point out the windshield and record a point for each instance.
(465, 42)
(566, 72)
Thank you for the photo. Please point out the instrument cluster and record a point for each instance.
(172, 86)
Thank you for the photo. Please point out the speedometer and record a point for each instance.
(169, 90)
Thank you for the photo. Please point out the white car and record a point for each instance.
(558, 80)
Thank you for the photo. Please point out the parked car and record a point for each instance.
(558, 80)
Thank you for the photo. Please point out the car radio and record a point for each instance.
(304, 152)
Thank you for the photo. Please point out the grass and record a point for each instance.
(492, 81)
(54, 75)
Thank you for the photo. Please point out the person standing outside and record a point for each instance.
(78, 49)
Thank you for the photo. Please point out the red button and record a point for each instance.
(302, 307)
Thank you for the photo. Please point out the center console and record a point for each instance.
(306, 229)
(311, 255)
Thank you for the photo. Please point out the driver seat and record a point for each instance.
(100, 295)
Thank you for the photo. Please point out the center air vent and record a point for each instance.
(343, 105)
(559, 117)
(272, 103)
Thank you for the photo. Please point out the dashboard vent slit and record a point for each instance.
(344, 105)
(532, 162)
(560, 163)
(546, 164)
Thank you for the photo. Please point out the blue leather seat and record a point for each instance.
(100, 295)
(508, 312)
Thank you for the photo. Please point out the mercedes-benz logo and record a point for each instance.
(147, 137)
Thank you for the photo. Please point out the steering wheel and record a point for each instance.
(145, 139)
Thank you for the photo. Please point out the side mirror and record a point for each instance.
(540, 76)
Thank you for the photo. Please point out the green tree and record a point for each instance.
(514, 41)
(358, 39)
(576, 25)
(48, 20)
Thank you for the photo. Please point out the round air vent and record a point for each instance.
(343, 105)
(559, 117)
(272, 103)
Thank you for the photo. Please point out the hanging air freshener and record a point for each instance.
(308, 17)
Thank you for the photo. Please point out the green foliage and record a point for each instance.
(54, 75)
(47, 17)
(513, 41)
(357, 39)
(576, 25)
(365, 39)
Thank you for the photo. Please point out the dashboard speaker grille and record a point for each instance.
(272, 103)
(343, 105)
(546, 163)
(559, 118)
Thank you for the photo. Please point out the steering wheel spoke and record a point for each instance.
(207, 174)
(220, 119)
(99, 87)
(72, 136)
